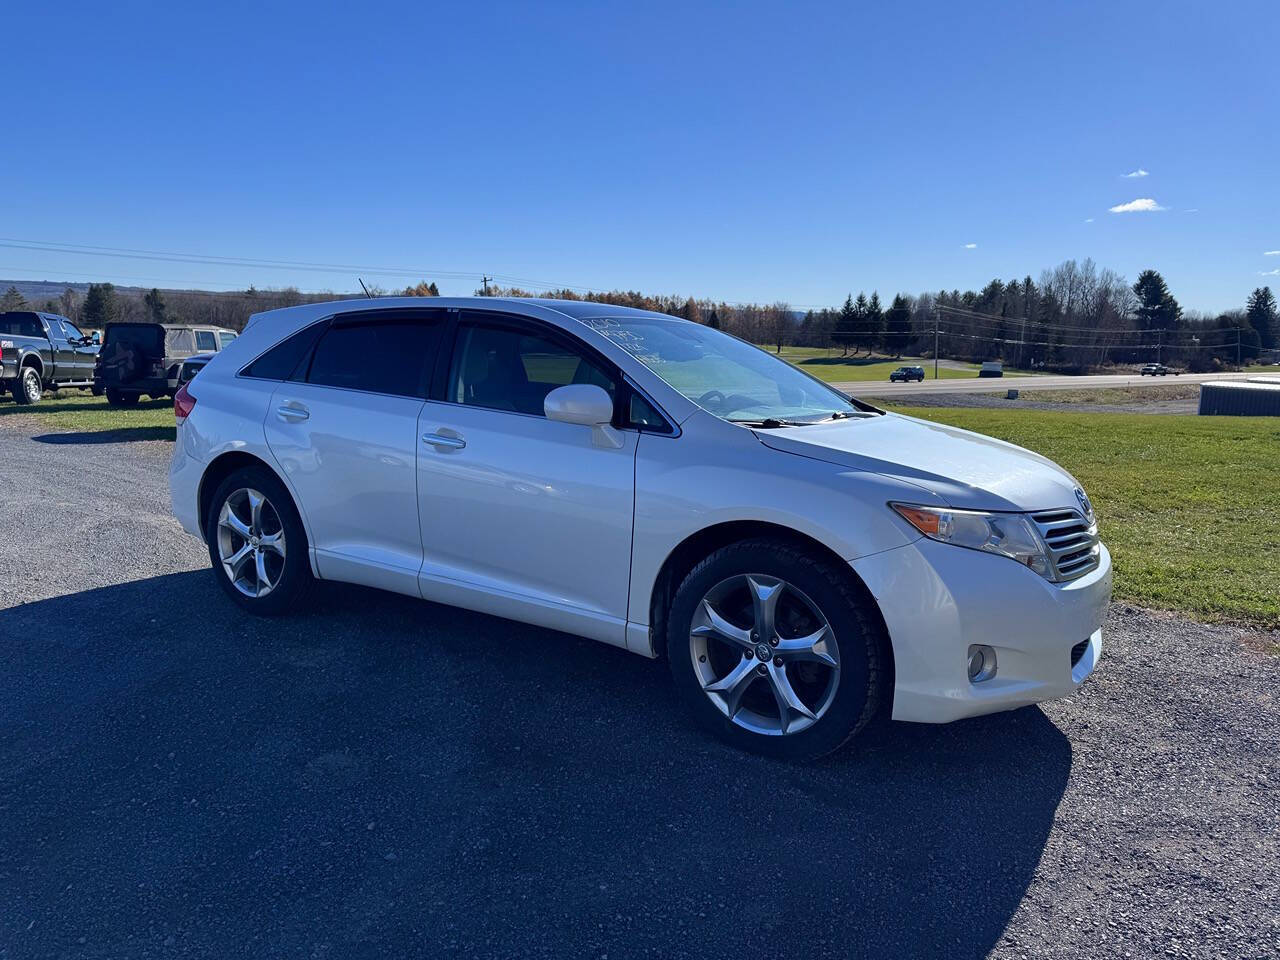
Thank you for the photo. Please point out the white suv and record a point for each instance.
(802, 560)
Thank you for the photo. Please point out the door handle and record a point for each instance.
(442, 440)
(292, 413)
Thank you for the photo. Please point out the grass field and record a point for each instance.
(1187, 505)
(829, 366)
(78, 411)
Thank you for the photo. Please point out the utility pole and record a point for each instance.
(484, 280)
(935, 341)
(1237, 346)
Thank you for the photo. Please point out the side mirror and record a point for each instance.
(585, 404)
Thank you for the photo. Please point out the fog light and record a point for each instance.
(982, 663)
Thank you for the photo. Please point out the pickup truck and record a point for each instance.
(43, 351)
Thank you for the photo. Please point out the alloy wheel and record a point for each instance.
(251, 542)
(764, 654)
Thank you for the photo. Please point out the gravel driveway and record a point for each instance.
(386, 777)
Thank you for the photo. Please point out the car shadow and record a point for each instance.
(384, 776)
(112, 435)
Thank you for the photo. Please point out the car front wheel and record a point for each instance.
(775, 650)
(257, 544)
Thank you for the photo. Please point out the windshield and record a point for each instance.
(722, 374)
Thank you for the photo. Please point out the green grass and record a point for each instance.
(79, 412)
(1187, 505)
(829, 366)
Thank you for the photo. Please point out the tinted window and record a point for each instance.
(73, 332)
(505, 369)
(206, 342)
(21, 325)
(380, 356)
(280, 362)
(224, 339)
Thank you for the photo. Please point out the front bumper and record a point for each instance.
(939, 599)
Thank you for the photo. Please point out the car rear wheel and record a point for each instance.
(27, 388)
(775, 650)
(257, 545)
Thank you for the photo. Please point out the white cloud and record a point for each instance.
(971, 246)
(1271, 253)
(1269, 273)
(1141, 205)
(1088, 220)
(1135, 173)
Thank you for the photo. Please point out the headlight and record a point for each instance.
(1008, 534)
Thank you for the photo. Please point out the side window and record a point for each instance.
(55, 329)
(507, 369)
(73, 332)
(224, 339)
(206, 342)
(280, 362)
(643, 416)
(392, 356)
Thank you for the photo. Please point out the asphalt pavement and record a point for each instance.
(384, 777)
(975, 384)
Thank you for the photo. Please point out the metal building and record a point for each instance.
(1254, 397)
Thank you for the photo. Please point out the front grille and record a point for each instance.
(1072, 541)
(1078, 651)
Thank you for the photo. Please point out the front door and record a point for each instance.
(523, 516)
(345, 434)
(85, 353)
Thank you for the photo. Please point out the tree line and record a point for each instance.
(1075, 316)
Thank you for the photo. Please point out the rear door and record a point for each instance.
(345, 432)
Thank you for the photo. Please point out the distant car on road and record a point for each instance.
(801, 560)
(146, 358)
(40, 351)
(992, 368)
(1155, 370)
(907, 374)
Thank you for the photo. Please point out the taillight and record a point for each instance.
(183, 404)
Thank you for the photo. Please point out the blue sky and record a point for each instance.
(756, 151)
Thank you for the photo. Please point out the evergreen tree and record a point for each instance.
(897, 326)
(875, 322)
(859, 331)
(1157, 310)
(714, 321)
(101, 306)
(1260, 311)
(13, 300)
(846, 325)
(690, 311)
(154, 302)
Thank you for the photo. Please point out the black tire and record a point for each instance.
(859, 633)
(27, 387)
(295, 580)
(116, 398)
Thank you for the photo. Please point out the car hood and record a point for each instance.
(967, 470)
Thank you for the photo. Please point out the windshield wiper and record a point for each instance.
(772, 423)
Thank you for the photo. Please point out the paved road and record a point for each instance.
(390, 778)
(1027, 384)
